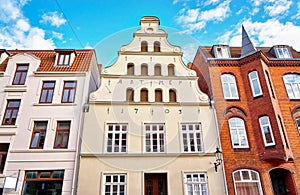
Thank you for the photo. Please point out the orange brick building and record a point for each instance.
(256, 93)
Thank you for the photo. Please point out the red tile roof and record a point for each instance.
(81, 63)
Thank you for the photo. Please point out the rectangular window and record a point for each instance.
(255, 84)
(38, 135)
(266, 131)
(195, 184)
(43, 182)
(20, 75)
(47, 91)
(192, 137)
(283, 52)
(11, 112)
(3, 154)
(63, 59)
(155, 137)
(115, 184)
(69, 92)
(117, 138)
(62, 134)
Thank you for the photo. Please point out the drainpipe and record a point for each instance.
(212, 103)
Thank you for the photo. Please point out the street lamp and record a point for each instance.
(218, 158)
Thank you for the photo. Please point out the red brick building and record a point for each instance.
(256, 93)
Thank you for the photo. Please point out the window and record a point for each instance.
(63, 59)
(155, 137)
(238, 133)
(172, 95)
(283, 52)
(247, 182)
(144, 95)
(144, 46)
(156, 46)
(192, 137)
(298, 124)
(3, 154)
(20, 75)
(38, 135)
(255, 84)
(266, 131)
(157, 70)
(130, 69)
(11, 112)
(43, 182)
(129, 95)
(144, 69)
(158, 95)
(195, 184)
(171, 70)
(229, 86)
(117, 138)
(69, 92)
(47, 92)
(62, 134)
(115, 184)
(292, 85)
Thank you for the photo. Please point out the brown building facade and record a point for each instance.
(256, 94)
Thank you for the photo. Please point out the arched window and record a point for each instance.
(255, 83)
(229, 86)
(172, 95)
(158, 95)
(144, 95)
(130, 69)
(238, 133)
(247, 181)
(266, 130)
(292, 85)
(171, 70)
(144, 69)
(144, 46)
(157, 70)
(156, 46)
(129, 95)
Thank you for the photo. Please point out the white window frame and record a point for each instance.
(266, 125)
(250, 180)
(238, 132)
(298, 124)
(292, 85)
(222, 52)
(153, 131)
(195, 183)
(229, 83)
(113, 183)
(116, 144)
(283, 52)
(254, 82)
(191, 133)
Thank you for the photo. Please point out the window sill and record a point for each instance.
(54, 104)
(8, 126)
(15, 88)
(232, 100)
(258, 96)
(241, 149)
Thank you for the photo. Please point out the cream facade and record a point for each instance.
(149, 129)
(41, 117)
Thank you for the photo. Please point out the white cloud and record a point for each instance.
(268, 33)
(23, 25)
(277, 7)
(297, 16)
(194, 19)
(211, 2)
(16, 31)
(57, 35)
(53, 18)
(189, 50)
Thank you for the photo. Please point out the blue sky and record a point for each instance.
(108, 24)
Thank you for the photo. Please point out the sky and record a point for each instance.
(106, 25)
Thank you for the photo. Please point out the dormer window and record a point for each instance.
(221, 51)
(64, 57)
(281, 51)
